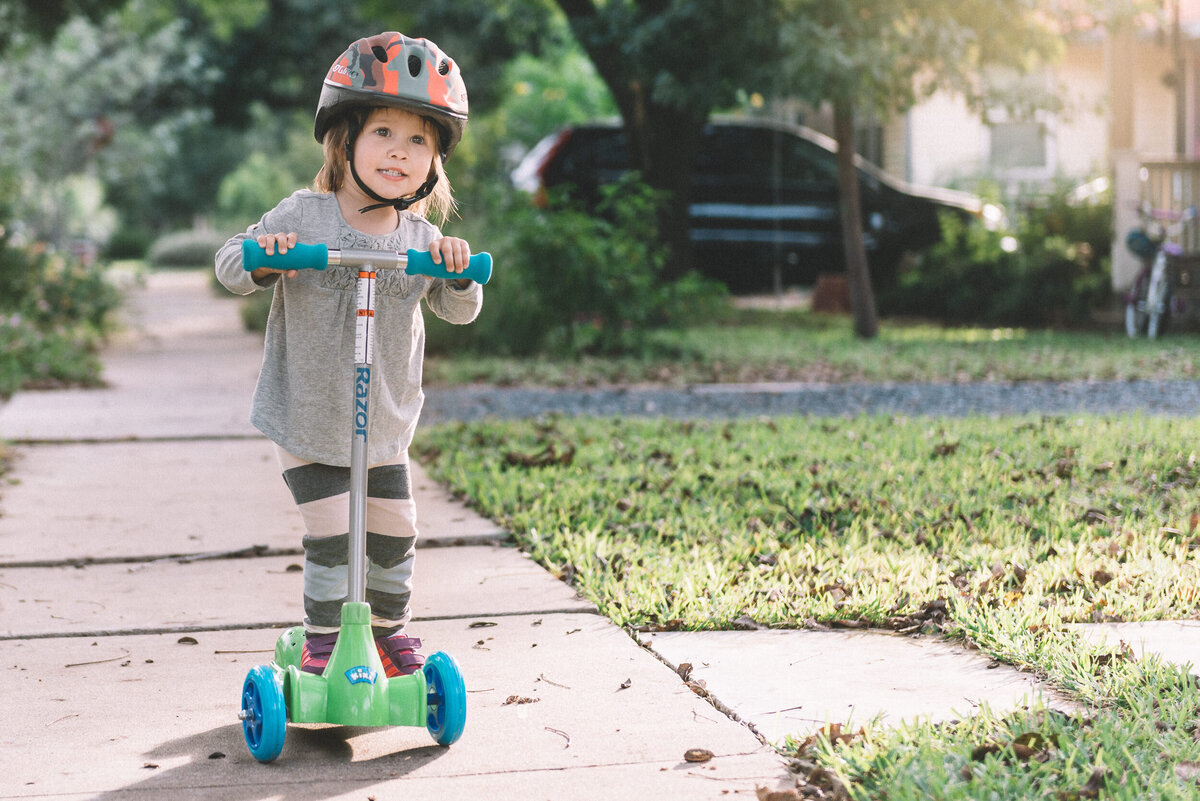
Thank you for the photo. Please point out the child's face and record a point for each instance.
(394, 153)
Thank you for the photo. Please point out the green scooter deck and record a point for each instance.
(353, 690)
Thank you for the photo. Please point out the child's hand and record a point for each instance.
(454, 253)
(270, 243)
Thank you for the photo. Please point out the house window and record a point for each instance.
(1018, 146)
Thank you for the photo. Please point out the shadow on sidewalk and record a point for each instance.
(316, 762)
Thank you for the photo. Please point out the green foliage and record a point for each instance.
(883, 56)
(185, 249)
(572, 282)
(54, 309)
(537, 95)
(1057, 274)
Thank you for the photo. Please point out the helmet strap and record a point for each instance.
(399, 204)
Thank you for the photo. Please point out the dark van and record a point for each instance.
(764, 199)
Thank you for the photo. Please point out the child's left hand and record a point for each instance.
(455, 253)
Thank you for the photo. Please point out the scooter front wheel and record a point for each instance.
(446, 698)
(264, 713)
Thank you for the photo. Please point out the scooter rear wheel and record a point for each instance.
(264, 713)
(446, 698)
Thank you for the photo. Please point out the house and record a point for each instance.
(1118, 94)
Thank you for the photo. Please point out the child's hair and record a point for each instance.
(437, 207)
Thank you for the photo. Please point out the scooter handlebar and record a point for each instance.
(298, 257)
(479, 267)
(318, 257)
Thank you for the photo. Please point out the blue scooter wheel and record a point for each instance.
(446, 698)
(264, 713)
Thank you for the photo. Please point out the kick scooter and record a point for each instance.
(353, 690)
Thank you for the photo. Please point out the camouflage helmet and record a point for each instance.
(390, 69)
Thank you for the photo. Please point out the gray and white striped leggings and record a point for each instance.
(322, 494)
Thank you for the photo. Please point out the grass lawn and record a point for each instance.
(743, 345)
(996, 532)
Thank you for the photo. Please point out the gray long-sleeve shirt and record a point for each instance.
(304, 398)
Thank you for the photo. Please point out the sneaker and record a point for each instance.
(398, 654)
(316, 652)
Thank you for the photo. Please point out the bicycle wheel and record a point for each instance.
(1156, 307)
(1135, 318)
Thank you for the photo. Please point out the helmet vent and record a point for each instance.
(414, 66)
(380, 54)
(443, 67)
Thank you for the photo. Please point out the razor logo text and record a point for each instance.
(362, 388)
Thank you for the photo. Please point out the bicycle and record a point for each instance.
(1148, 303)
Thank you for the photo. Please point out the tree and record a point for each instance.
(882, 56)
(668, 65)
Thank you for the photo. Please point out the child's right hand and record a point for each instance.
(270, 243)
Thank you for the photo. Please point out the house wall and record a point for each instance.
(946, 144)
(941, 143)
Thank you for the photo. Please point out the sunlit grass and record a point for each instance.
(997, 532)
(752, 346)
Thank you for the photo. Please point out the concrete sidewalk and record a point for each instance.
(148, 559)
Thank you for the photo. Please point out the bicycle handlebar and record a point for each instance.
(318, 257)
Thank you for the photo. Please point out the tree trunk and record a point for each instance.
(858, 275)
(663, 140)
(663, 146)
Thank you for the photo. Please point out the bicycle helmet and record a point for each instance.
(391, 69)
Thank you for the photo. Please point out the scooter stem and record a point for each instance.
(364, 346)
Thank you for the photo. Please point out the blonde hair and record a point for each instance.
(437, 207)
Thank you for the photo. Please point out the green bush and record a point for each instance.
(1054, 269)
(54, 310)
(129, 242)
(570, 281)
(185, 249)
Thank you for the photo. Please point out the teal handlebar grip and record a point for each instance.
(479, 268)
(298, 257)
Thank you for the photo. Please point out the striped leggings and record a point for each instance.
(322, 494)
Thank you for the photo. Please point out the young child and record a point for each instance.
(391, 111)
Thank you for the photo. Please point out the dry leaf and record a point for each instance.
(519, 699)
(1095, 783)
(765, 794)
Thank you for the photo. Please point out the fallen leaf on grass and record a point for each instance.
(549, 455)
(1027, 746)
(945, 449)
(1095, 783)
(1188, 771)
(834, 733)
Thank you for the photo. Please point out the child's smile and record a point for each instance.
(394, 153)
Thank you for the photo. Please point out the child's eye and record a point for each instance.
(417, 139)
